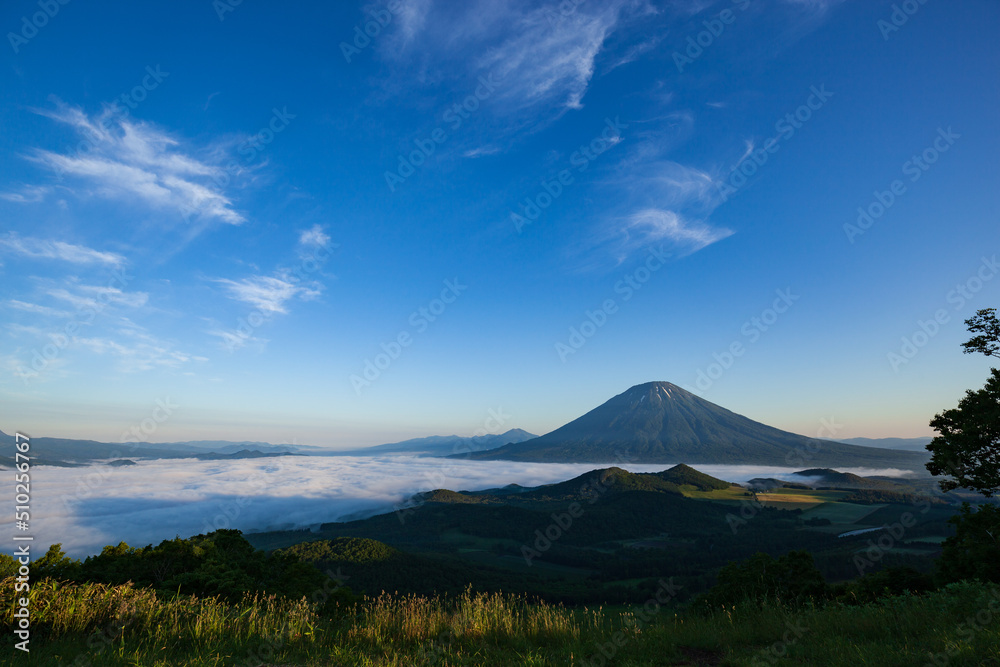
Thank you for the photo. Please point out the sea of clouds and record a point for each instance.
(87, 508)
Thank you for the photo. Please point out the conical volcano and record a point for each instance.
(658, 422)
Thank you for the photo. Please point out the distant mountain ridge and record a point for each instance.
(444, 445)
(65, 451)
(659, 422)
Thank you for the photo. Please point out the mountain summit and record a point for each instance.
(658, 422)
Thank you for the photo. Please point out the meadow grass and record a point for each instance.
(93, 624)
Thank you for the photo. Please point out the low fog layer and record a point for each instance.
(88, 508)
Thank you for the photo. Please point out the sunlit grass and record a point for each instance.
(93, 624)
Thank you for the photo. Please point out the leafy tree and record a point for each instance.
(221, 563)
(968, 447)
(973, 552)
(986, 324)
(55, 564)
(8, 566)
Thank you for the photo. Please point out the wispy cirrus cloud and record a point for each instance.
(36, 309)
(140, 162)
(96, 297)
(815, 5)
(233, 340)
(136, 350)
(653, 224)
(35, 248)
(114, 335)
(29, 194)
(481, 151)
(543, 52)
(552, 61)
(268, 293)
(661, 200)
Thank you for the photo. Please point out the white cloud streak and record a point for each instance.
(664, 200)
(141, 162)
(36, 309)
(137, 352)
(658, 224)
(46, 249)
(267, 293)
(551, 60)
(96, 297)
(29, 194)
(544, 52)
(234, 340)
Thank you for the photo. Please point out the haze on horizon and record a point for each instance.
(293, 234)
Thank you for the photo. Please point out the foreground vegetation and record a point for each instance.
(96, 624)
(217, 600)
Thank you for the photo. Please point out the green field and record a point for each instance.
(841, 514)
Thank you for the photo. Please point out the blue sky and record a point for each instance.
(288, 230)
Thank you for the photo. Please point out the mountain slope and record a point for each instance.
(658, 422)
(909, 444)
